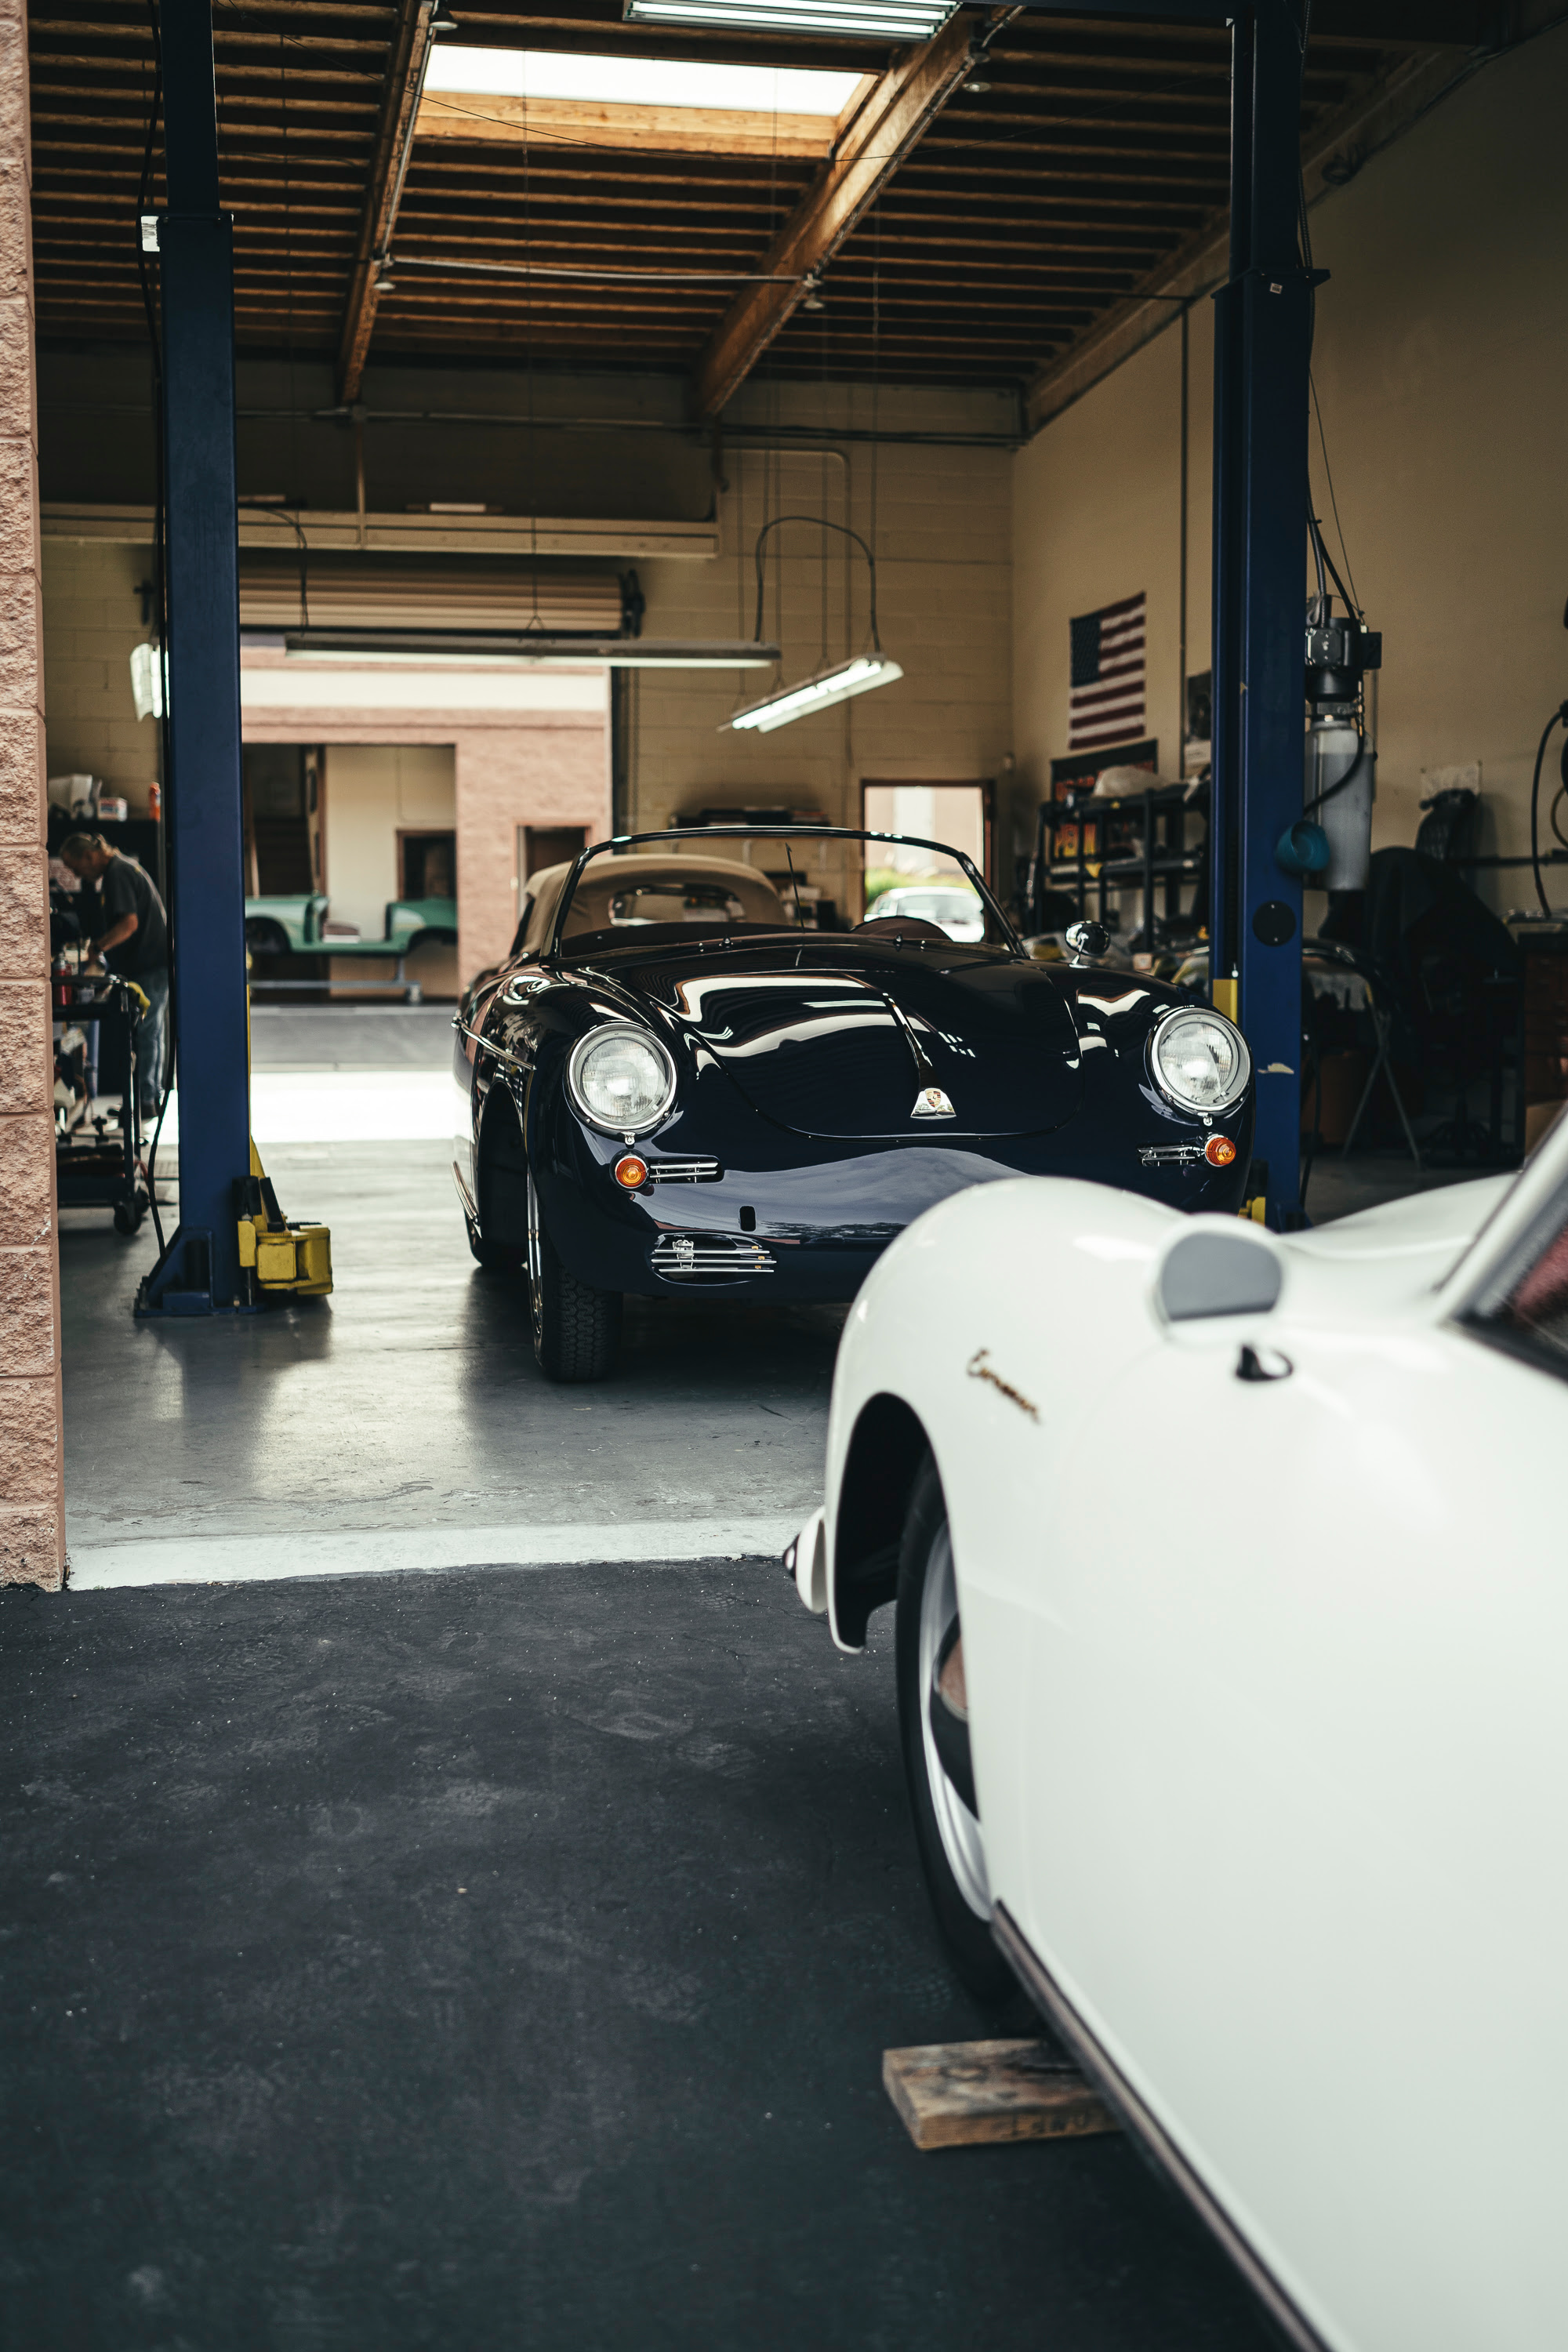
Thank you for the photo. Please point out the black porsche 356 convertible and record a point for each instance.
(672, 1082)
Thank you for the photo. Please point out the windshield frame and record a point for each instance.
(1013, 946)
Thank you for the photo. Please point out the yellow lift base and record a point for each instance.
(281, 1258)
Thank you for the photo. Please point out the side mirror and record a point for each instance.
(1211, 1270)
(1088, 942)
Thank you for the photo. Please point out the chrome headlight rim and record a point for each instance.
(589, 1043)
(1173, 1019)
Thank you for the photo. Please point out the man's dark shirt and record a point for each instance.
(125, 889)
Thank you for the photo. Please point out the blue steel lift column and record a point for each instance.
(199, 1273)
(1262, 362)
(1262, 358)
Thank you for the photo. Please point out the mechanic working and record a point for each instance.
(134, 942)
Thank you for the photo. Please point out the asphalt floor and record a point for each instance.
(505, 1957)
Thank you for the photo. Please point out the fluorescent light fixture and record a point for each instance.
(818, 693)
(638, 81)
(509, 648)
(860, 20)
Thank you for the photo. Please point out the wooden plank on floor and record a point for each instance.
(967, 2094)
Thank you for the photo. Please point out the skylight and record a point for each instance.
(638, 81)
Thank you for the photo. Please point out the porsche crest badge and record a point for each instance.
(931, 1103)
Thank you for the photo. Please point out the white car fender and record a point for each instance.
(975, 1360)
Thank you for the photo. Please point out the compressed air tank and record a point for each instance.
(1333, 750)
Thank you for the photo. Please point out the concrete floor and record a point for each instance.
(504, 1958)
(404, 1422)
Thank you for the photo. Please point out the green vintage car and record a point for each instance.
(296, 925)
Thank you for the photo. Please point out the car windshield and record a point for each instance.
(734, 881)
(1527, 1307)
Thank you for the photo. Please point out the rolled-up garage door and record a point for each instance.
(336, 593)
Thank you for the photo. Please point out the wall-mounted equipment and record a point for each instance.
(1342, 765)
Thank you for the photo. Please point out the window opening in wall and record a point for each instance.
(426, 864)
(959, 814)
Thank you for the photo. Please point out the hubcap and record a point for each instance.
(962, 1842)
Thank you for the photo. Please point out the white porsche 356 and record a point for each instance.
(1232, 1655)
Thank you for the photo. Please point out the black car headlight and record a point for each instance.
(1199, 1060)
(621, 1079)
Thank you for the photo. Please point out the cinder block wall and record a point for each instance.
(940, 514)
(32, 1498)
(90, 591)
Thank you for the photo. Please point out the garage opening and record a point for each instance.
(453, 1877)
(959, 813)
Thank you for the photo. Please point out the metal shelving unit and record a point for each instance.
(1139, 841)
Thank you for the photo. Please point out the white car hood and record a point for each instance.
(1373, 1262)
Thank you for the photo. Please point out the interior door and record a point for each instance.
(1294, 1772)
(542, 846)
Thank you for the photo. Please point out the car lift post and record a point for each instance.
(199, 1274)
(1262, 363)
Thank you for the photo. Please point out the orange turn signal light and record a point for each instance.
(632, 1172)
(1219, 1151)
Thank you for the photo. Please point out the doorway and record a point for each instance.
(280, 808)
(542, 846)
(959, 814)
(426, 864)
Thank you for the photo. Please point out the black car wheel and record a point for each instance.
(933, 1723)
(576, 1330)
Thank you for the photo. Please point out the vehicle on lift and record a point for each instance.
(671, 1085)
(1229, 1633)
(284, 925)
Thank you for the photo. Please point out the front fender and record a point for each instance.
(990, 1326)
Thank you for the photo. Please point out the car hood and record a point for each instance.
(845, 1041)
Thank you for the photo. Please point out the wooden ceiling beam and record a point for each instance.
(407, 58)
(575, 123)
(895, 115)
(1369, 120)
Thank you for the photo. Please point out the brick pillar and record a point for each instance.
(32, 1493)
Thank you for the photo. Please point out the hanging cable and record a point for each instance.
(822, 523)
(1558, 718)
(1352, 599)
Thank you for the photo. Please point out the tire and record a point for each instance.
(576, 1330)
(935, 1740)
(128, 1214)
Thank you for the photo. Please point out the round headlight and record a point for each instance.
(621, 1079)
(1200, 1060)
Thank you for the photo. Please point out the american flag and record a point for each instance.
(1107, 704)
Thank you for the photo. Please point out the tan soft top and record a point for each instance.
(606, 877)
